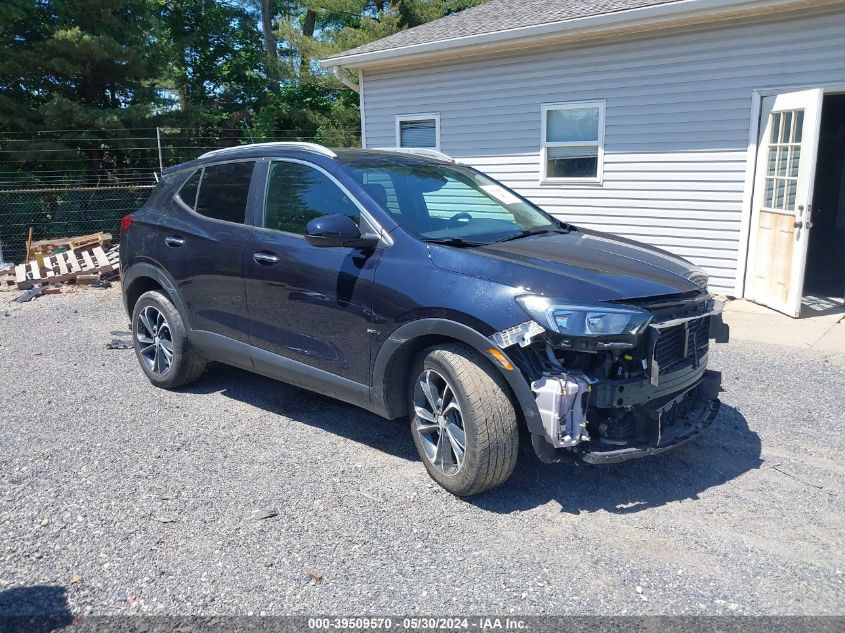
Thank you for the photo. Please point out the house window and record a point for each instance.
(572, 142)
(418, 130)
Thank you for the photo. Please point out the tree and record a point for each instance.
(321, 28)
(316, 29)
(270, 49)
(116, 69)
(23, 24)
(216, 68)
(78, 64)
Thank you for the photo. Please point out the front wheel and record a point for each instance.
(462, 421)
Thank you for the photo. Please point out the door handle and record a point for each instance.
(265, 258)
(174, 240)
(807, 222)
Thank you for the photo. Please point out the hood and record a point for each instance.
(582, 265)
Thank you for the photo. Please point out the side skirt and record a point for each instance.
(225, 350)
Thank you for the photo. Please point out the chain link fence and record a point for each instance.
(63, 183)
(63, 212)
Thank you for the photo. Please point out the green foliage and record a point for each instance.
(118, 69)
(216, 68)
(86, 84)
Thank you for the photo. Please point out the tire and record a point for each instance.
(486, 414)
(185, 364)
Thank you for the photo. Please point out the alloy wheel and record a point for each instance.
(155, 340)
(439, 422)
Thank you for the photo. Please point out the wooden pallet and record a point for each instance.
(113, 255)
(45, 248)
(63, 267)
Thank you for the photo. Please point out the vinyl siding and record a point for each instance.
(676, 133)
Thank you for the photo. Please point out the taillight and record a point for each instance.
(125, 223)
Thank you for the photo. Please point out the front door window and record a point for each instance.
(296, 194)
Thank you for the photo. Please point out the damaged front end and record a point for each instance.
(616, 382)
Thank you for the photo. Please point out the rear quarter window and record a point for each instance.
(188, 193)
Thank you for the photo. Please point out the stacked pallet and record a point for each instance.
(82, 266)
(44, 248)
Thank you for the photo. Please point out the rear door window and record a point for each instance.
(223, 191)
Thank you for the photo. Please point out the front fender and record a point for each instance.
(405, 336)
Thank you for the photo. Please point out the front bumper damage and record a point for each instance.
(620, 404)
(667, 424)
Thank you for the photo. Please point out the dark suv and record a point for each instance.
(411, 285)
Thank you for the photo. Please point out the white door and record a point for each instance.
(783, 193)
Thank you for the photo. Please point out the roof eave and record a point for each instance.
(630, 19)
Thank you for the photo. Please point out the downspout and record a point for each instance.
(359, 88)
(345, 80)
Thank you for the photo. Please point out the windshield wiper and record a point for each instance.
(452, 241)
(526, 233)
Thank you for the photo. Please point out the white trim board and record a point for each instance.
(419, 116)
(362, 108)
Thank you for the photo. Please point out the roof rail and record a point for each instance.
(419, 151)
(307, 147)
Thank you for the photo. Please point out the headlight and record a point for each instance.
(584, 319)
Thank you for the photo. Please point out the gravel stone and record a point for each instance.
(746, 520)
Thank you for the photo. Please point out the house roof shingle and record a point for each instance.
(501, 15)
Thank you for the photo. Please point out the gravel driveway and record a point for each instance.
(117, 497)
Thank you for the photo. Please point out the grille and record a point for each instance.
(681, 345)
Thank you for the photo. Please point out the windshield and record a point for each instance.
(443, 202)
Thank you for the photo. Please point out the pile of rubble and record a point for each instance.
(52, 264)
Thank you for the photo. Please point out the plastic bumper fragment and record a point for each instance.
(522, 334)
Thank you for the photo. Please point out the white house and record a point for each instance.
(711, 128)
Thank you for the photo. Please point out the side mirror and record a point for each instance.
(338, 230)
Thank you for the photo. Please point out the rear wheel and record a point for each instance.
(463, 423)
(161, 343)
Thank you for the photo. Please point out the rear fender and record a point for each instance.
(142, 270)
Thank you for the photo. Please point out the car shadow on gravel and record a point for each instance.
(725, 451)
(34, 609)
(322, 412)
